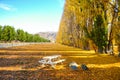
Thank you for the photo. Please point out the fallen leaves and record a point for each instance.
(24, 65)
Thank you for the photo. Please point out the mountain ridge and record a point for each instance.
(48, 35)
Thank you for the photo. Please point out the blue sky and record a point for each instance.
(32, 15)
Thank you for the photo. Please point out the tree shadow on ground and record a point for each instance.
(52, 74)
(6, 62)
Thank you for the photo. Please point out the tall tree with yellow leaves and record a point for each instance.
(79, 19)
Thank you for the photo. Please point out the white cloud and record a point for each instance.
(6, 7)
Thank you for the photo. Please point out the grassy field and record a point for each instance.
(21, 63)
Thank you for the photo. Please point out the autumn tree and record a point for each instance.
(79, 16)
(117, 27)
(98, 34)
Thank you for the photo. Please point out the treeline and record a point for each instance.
(90, 24)
(8, 34)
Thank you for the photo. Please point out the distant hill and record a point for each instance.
(48, 35)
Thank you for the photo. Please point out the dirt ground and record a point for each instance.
(21, 63)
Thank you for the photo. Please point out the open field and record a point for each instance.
(21, 63)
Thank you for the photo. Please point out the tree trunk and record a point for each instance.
(100, 49)
(106, 48)
(119, 48)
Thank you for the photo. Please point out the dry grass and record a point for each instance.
(21, 63)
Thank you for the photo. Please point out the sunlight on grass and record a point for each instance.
(60, 67)
(11, 68)
(24, 60)
(104, 65)
(88, 56)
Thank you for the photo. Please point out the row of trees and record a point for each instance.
(8, 34)
(90, 24)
